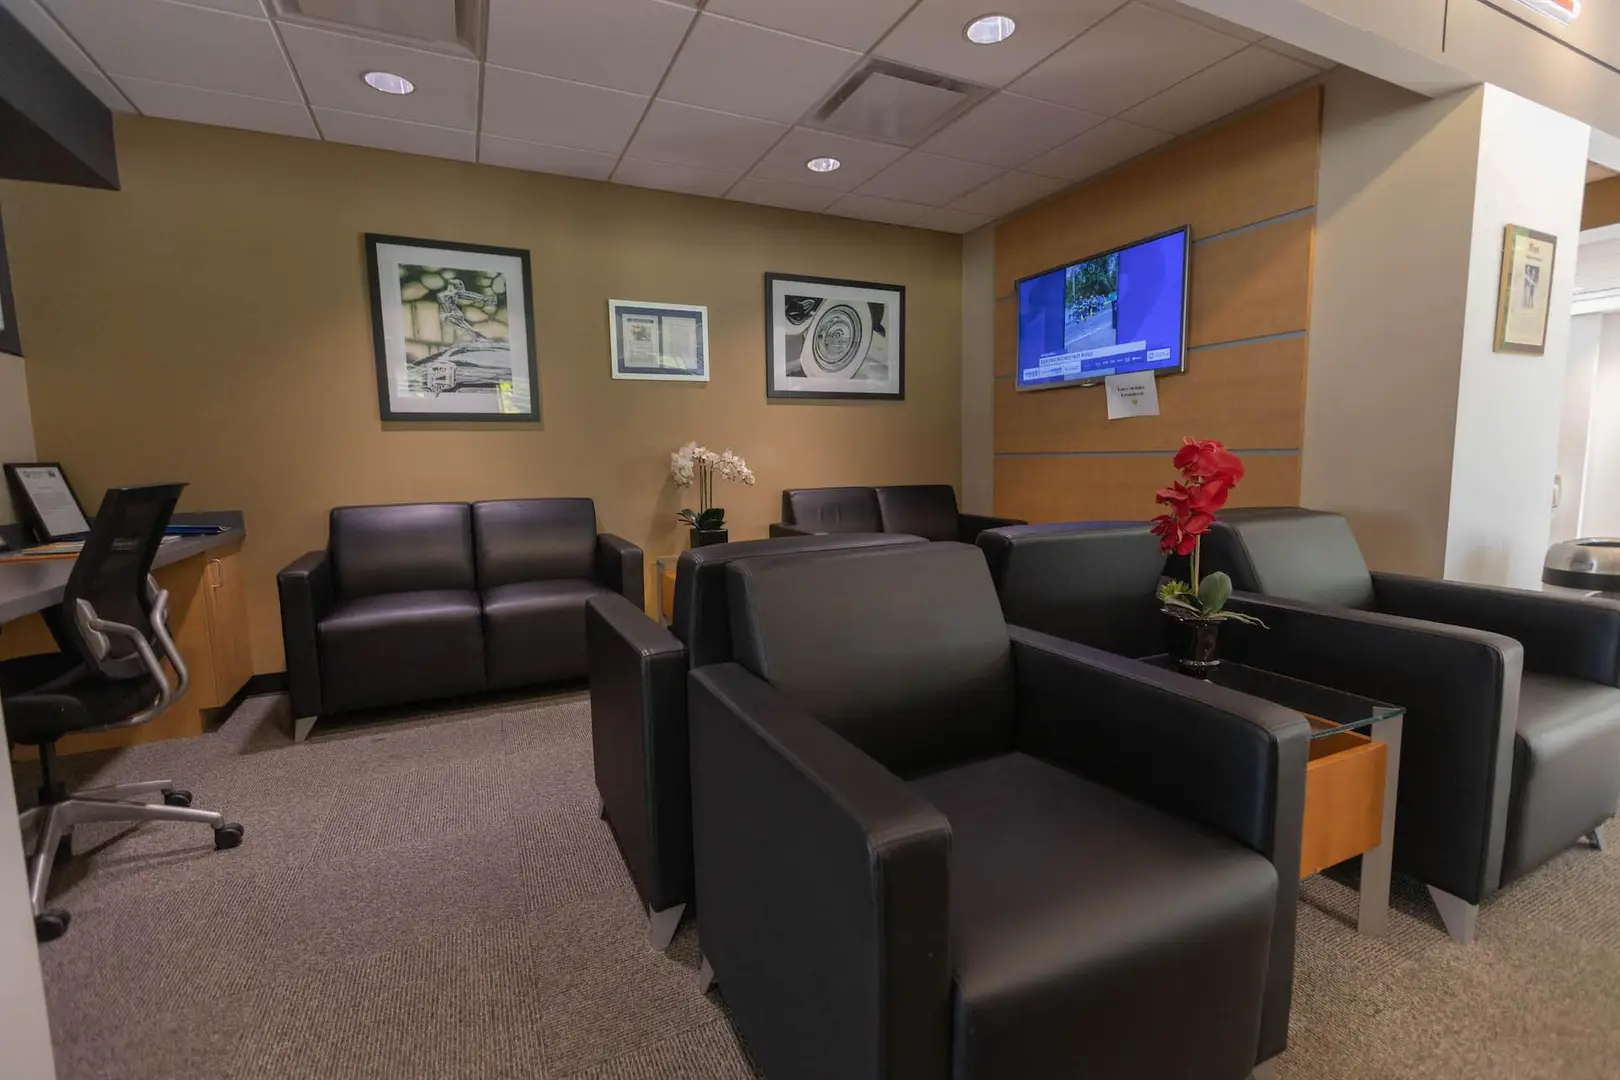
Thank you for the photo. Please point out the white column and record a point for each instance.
(25, 1032)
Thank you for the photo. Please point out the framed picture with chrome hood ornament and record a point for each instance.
(831, 338)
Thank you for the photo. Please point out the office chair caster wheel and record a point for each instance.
(176, 797)
(50, 925)
(227, 836)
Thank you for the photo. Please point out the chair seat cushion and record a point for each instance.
(398, 647)
(52, 694)
(534, 631)
(1085, 926)
(1566, 767)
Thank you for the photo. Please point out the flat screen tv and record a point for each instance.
(1111, 314)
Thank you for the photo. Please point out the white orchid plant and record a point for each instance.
(694, 464)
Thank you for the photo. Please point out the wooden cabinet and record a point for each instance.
(232, 658)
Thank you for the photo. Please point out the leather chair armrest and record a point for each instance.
(813, 858)
(1576, 637)
(638, 739)
(969, 526)
(782, 528)
(1460, 688)
(305, 590)
(1230, 762)
(618, 567)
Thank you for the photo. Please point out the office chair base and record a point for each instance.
(176, 797)
(50, 925)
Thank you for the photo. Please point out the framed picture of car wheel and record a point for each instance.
(831, 338)
(452, 327)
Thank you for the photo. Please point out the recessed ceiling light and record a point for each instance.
(388, 82)
(823, 164)
(1565, 11)
(989, 29)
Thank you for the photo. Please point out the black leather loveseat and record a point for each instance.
(430, 600)
(925, 510)
(929, 844)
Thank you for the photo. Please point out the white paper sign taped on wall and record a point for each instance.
(1136, 394)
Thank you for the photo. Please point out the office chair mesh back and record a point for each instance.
(111, 572)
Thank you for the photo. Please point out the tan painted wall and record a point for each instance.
(16, 426)
(210, 323)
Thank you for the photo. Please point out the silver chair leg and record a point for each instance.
(77, 811)
(302, 726)
(39, 872)
(1266, 1070)
(29, 819)
(1595, 838)
(1461, 917)
(663, 924)
(125, 791)
(705, 977)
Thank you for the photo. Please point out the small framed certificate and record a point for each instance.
(1525, 292)
(46, 501)
(666, 342)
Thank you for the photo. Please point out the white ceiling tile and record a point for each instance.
(1304, 56)
(890, 211)
(1214, 22)
(1009, 130)
(861, 160)
(218, 108)
(687, 135)
(331, 67)
(1007, 192)
(933, 36)
(50, 34)
(739, 68)
(586, 40)
(1212, 93)
(537, 157)
(181, 44)
(402, 135)
(558, 112)
(955, 221)
(854, 24)
(1103, 147)
(928, 179)
(1125, 59)
(668, 177)
(783, 194)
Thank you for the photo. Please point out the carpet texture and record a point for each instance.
(432, 896)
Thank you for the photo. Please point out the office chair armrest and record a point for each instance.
(639, 744)
(95, 630)
(618, 566)
(1573, 636)
(1460, 688)
(814, 859)
(969, 526)
(305, 589)
(782, 528)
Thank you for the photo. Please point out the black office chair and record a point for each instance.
(107, 675)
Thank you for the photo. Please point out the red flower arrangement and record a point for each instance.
(1209, 472)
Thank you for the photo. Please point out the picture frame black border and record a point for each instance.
(379, 345)
(24, 502)
(10, 336)
(774, 394)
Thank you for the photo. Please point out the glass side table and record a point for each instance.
(1351, 778)
(664, 575)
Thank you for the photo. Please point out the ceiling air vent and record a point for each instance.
(451, 25)
(896, 104)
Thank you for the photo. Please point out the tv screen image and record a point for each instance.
(1111, 314)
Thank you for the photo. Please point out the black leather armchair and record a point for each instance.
(638, 711)
(925, 510)
(420, 601)
(934, 845)
(1511, 748)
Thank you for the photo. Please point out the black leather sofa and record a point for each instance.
(1511, 746)
(929, 844)
(925, 510)
(418, 601)
(638, 710)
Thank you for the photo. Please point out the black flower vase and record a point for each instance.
(1195, 645)
(705, 537)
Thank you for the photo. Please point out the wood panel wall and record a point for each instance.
(1248, 189)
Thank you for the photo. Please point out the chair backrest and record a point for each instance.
(834, 509)
(1091, 582)
(407, 547)
(702, 617)
(926, 510)
(110, 574)
(903, 652)
(534, 540)
(1292, 553)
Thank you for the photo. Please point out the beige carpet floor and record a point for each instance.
(432, 896)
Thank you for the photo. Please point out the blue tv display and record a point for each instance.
(1111, 314)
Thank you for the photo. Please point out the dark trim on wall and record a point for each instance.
(52, 128)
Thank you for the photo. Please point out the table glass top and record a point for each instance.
(1330, 711)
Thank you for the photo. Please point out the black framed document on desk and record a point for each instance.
(46, 502)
